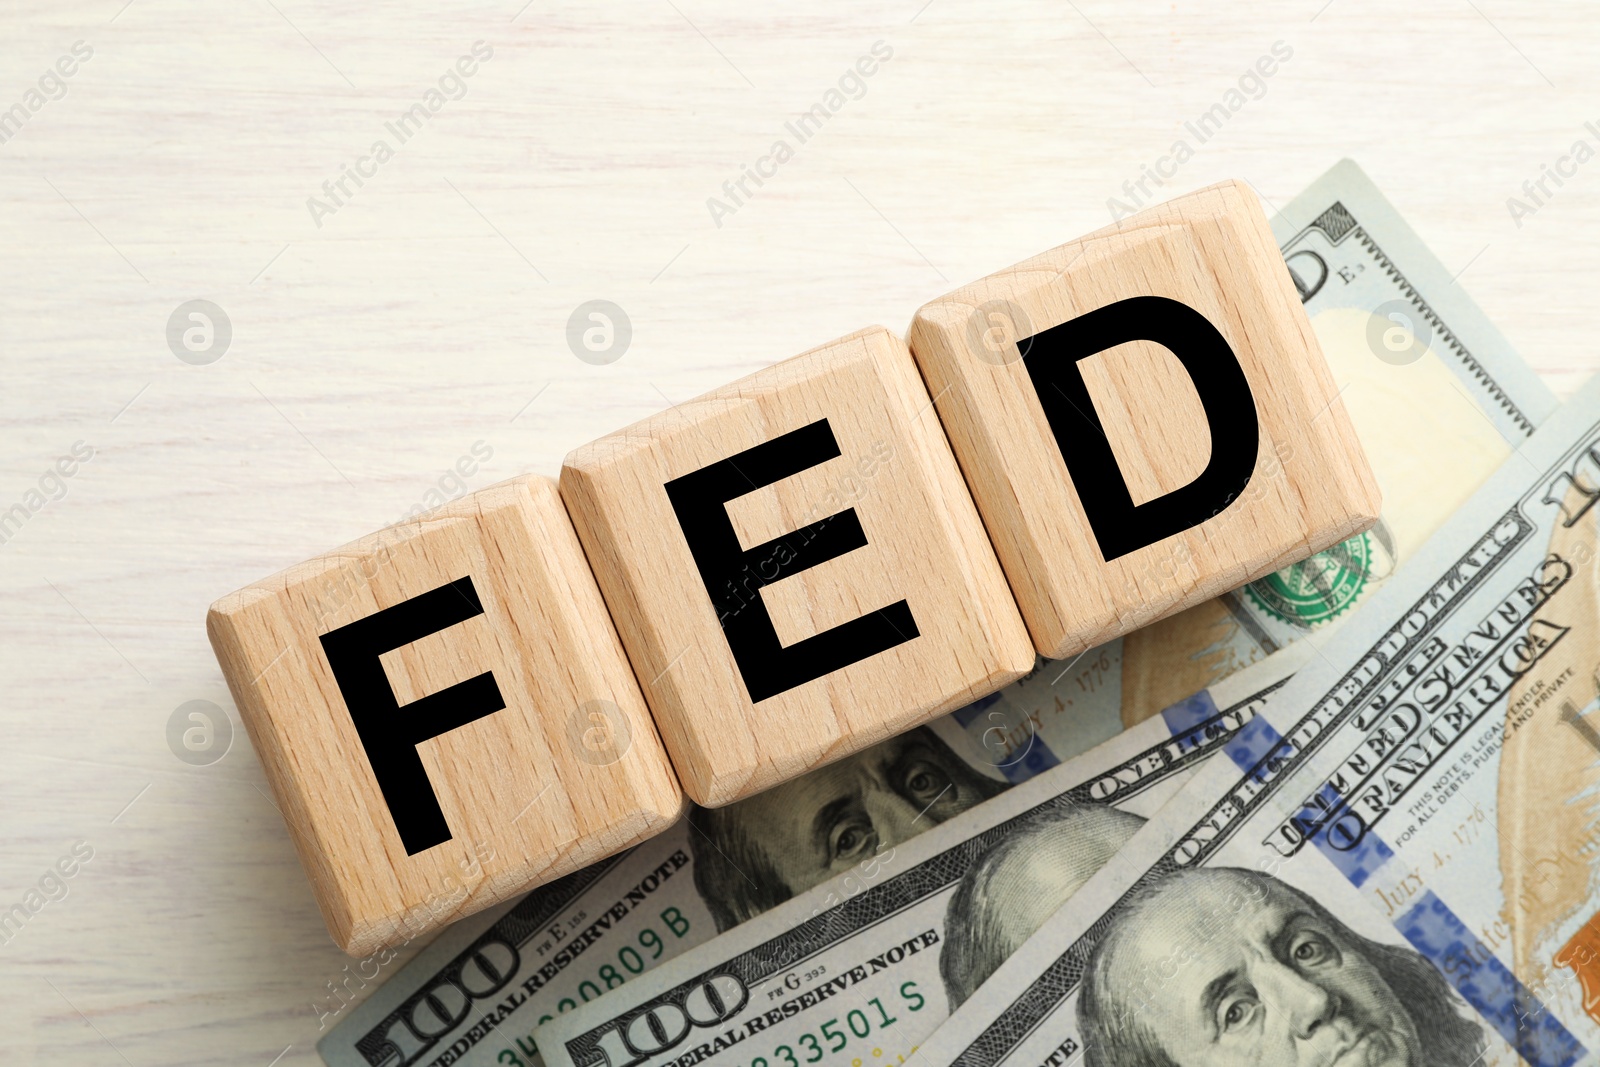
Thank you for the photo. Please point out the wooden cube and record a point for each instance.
(445, 714)
(795, 566)
(1144, 418)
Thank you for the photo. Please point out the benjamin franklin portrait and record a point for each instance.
(759, 852)
(1233, 967)
(1019, 883)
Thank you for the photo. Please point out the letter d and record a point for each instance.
(1052, 360)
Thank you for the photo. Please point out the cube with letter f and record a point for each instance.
(445, 714)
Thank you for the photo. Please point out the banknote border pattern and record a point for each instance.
(1339, 218)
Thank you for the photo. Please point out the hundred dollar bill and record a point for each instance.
(1422, 373)
(1398, 865)
(864, 963)
(478, 994)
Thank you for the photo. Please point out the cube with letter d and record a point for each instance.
(1144, 418)
(795, 566)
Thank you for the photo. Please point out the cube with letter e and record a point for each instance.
(795, 566)
(445, 714)
(1144, 418)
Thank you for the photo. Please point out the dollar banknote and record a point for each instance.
(479, 992)
(1421, 371)
(880, 940)
(1398, 862)
(1059, 711)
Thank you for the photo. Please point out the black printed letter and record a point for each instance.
(1052, 362)
(734, 576)
(391, 733)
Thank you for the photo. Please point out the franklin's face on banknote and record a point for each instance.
(1231, 967)
(756, 854)
(1019, 883)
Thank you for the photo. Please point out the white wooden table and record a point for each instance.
(376, 343)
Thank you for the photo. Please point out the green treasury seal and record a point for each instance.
(1318, 588)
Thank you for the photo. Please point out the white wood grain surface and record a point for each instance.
(429, 313)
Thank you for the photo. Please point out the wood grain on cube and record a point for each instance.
(781, 466)
(982, 348)
(569, 770)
